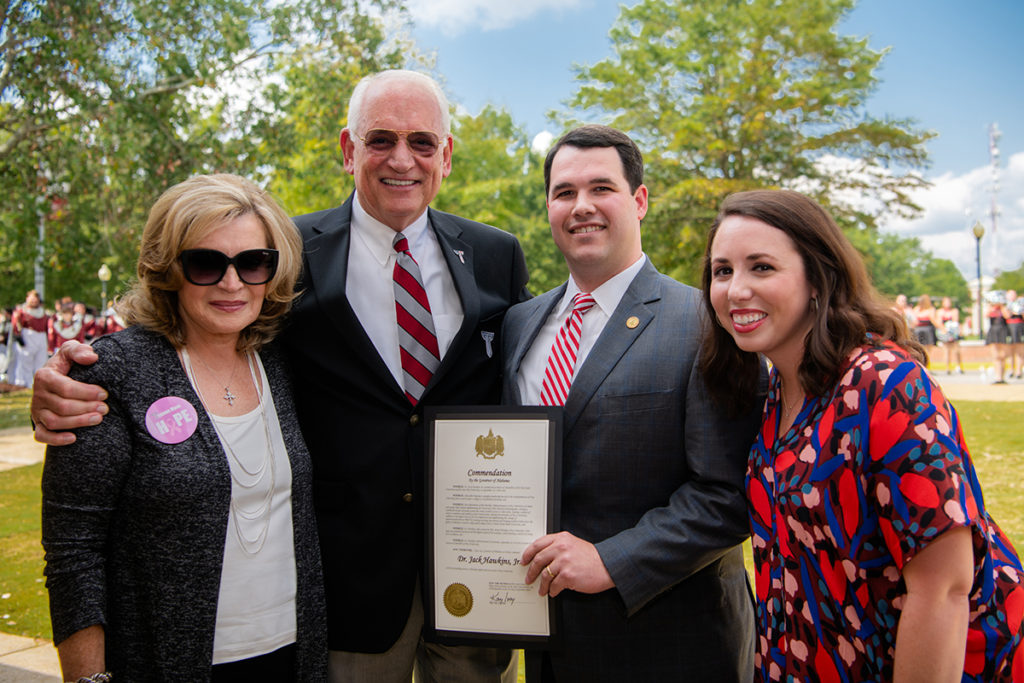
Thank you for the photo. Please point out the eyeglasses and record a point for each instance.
(205, 267)
(382, 140)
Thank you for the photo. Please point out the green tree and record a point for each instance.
(900, 265)
(725, 95)
(498, 179)
(1011, 279)
(105, 103)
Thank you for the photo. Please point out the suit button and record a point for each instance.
(407, 497)
(414, 420)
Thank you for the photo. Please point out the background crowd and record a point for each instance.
(30, 332)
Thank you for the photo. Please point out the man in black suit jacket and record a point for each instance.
(365, 436)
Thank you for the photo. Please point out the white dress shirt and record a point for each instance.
(370, 283)
(606, 298)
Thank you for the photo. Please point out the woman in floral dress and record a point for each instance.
(875, 557)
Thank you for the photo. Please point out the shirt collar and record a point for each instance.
(379, 238)
(609, 294)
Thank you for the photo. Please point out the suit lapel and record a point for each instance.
(614, 342)
(458, 256)
(326, 255)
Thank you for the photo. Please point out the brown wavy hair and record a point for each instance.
(180, 219)
(848, 309)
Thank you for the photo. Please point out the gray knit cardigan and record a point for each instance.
(134, 529)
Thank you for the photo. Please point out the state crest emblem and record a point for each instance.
(490, 446)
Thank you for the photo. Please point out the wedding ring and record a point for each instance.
(548, 570)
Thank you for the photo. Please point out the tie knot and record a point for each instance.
(401, 244)
(582, 302)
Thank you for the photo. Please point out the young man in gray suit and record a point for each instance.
(648, 567)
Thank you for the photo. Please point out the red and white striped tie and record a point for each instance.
(562, 361)
(416, 339)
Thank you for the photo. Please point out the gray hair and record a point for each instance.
(355, 103)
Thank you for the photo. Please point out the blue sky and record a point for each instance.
(955, 66)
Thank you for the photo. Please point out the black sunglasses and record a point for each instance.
(206, 267)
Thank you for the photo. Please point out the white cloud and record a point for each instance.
(456, 16)
(954, 203)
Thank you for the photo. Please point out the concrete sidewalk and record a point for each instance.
(25, 660)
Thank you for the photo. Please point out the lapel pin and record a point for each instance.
(461, 254)
(632, 321)
(488, 338)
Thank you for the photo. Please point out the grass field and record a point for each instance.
(992, 429)
(14, 409)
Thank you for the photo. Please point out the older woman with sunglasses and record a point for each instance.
(179, 533)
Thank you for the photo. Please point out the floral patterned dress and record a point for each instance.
(864, 479)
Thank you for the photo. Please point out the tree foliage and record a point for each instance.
(899, 265)
(498, 179)
(1011, 279)
(105, 103)
(726, 95)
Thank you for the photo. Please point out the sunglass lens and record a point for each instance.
(381, 140)
(204, 266)
(423, 142)
(256, 266)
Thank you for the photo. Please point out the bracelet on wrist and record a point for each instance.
(101, 677)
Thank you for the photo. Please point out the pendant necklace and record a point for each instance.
(228, 396)
(788, 410)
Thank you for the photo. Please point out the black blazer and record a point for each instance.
(365, 438)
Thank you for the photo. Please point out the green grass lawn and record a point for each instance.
(992, 431)
(14, 409)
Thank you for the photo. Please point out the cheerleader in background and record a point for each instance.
(998, 334)
(1015, 326)
(949, 335)
(926, 322)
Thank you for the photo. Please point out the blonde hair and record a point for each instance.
(181, 218)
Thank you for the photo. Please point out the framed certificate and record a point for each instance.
(493, 484)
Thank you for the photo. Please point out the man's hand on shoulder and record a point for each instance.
(60, 403)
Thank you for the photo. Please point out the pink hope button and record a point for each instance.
(171, 419)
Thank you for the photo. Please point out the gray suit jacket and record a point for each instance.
(134, 528)
(653, 476)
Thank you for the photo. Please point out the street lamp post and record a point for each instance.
(104, 275)
(979, 232)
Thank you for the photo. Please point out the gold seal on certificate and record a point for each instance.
(458, 600)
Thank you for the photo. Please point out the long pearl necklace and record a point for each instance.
(260, 513)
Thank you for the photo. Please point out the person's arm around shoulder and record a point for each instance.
(932, 633)
(59, 403)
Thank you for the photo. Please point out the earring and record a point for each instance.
(814, 304)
